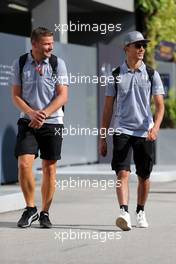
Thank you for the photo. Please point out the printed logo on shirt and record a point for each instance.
(145, 77)
(27, 77)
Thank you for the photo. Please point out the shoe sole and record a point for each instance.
(122, 224)
(138, 226)
(31, 220)
(45, 226)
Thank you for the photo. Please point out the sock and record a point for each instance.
(124, 206)
(139, 208)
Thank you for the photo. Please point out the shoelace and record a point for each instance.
(26, 210)
(25, 214)
(123, 212)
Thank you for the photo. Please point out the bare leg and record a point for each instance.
(48, 183)
(26, 178)
(143, 190)
(123, 190)
(123, 221)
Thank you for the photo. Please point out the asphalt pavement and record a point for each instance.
(84, 230)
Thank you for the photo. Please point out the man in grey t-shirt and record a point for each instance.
(133, 125)
(39, 90)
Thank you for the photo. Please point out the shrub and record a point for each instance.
(169, 120)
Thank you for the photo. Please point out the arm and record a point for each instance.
(18, 101)
(61, 87)
(159, 113)
(37, 116)
(60, 100)
(106, 120)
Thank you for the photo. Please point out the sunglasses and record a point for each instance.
(139, 45)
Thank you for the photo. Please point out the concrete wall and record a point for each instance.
(11, 47)
(165, 147)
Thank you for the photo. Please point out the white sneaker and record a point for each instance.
(141, 220)
(124, 220)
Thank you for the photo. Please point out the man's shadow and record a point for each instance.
(105, 228)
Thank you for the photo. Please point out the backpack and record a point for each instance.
(150, 72)
(52, 60)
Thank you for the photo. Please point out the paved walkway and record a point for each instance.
(84, 231)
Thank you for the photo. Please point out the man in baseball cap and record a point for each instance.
(135, 129)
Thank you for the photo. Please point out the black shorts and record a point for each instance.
(143, 154)
(47, 139)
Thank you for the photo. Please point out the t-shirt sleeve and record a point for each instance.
(15, 76)
(62, 76)
(157, 86)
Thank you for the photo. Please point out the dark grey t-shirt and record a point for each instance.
(38, 91)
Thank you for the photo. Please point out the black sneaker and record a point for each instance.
(44, 220)
(29, 215)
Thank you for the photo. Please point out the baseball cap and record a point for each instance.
(134, 36)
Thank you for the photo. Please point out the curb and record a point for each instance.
(11, 202)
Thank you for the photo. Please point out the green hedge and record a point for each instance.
(159, 19)
(169, 120)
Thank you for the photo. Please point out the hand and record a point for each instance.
(36, 124)
(152, 134)
(103, 147)
(37, 118)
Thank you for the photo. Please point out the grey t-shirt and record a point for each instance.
(38, 91)
(132, 112)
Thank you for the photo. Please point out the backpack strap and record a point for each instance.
(115, 74)
(53, 62)
(150, 72)
(22, 61)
